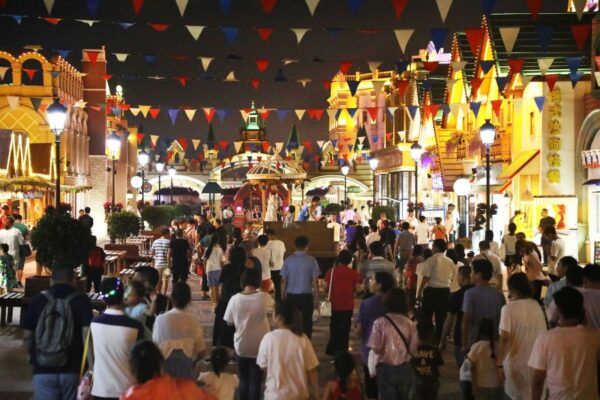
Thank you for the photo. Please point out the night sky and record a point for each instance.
(336, 36)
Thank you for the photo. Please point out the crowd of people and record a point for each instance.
(408, 289)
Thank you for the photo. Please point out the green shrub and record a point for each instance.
(390, 212)
(162, 215)
(333, 208)
(123, 224)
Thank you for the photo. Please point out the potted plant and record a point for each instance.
(123, 224)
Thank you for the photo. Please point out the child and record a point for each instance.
(8, 279)
(482, 355)
(136, 306)
(220, 384)
(346, 386)
(426, 362)
(410, 273)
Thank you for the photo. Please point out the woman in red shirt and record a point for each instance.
(342, 282)
(439, 230)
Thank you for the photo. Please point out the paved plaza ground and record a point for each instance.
(15, 373)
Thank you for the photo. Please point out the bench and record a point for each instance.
(111, 264)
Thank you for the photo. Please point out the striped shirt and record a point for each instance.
(160, 248)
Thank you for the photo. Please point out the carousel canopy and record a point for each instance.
(276, 169)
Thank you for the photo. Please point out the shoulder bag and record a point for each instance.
(325, 307)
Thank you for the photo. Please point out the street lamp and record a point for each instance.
(57, 115)
(415, 153)
(143, 160)
(373, 163)
(172, 173)
(113, 143)
(462, 188)
(160, 167)
(345, 170)
(487, 133)
(137, 182)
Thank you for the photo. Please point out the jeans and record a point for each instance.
(339, 332)
(304, 303)
(178, 365)
(371, 391)
(394, 381)
(179, 274)
(55, 386)
(435, 301)
(250, 376)
(276, 278)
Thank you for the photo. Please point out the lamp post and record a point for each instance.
(462, 188)
(143, 159)
(57, 115)
(160, 167)
(345, 170)
(113, 143)
(172, 173)
(415, 153)
(137, 182)
(373, 163)
(487, 133)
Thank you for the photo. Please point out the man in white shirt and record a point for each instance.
(422, 231)
(332, 224)
(349, 215)
(434, 289)
(485, 253)
(557, 248)
(566, 357)
(364, 216)
(277, 248)
(264, 255)
(13, 238)
(373, 236)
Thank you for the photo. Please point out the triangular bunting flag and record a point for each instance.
(144, 109)
(35, 102)
(172, 114)
(516, 65)
(49, 5)
(150, 59)
(13, 101)
(544, 34)
(551, 81)
(574, 77)
(443, 8)
(134, 111)
(209, 114)
(262, 64)
(501, 82)
(486, 66)
(255, 83)
(279, 76)
(403, 36)
(312, 5)
(92, 56)
(30, 73)
(372, 113)
(373, 65)
(181, 5)
(154, 139)
(299, 32)
(475, 107)
(458, 65)
(534, 8)
(231, 77)
(190, 112)
(412, 111)
(159, 27)
(195, 144)
(544, 64)
(304, 82)
(137, 5)
(392, 110)
(399, 6)
(454, 109)
(525, 79)
(402, 85)
(182, 79)
(154, 111)
(597, 75)
(345, 66)
(230, 33)
(496, 105)
(140, 138)
(195, 30)
(573, 63)
(539, 102)
(578, 4)
(206, 62)
(264, 33)
(580, 33)
(88, 22)
(353, 85)
(331, 114)
(354, 6)
(474, 37)
(125, 25)
(488, 6)
(377, 86)
(509, 37)
(121, 57)
(282, 114)
(268, 5)
(92, 6)
(225, 5)
(237, 146)
(300, 113)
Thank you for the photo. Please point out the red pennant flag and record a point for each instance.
(316, 158)
(307, 145)
(401, 86)
(475, 83)
(431, 110)
(92, 55)
(474, 37)
(516, 65)
(140, 138)
(580, 34)
(265, 147)
(399, 7)
(268, 5)
(327, 85)
(247, 148)
(255, 83)
(124, 106)
(224, 144)
(159, 27)
(264, 33)
(551, 80)
(137, 5)
(430, 65)
(316, 113)
(372, 113)
(183, 142)
(259, 158)
(30, 73)
(345, 156)
(209, 113)
(178, 56)
(154, 112)
(345, 66)
(496, 105)
(182, 79)
(53, 21)
(106, 76)
(201, 156)
(262, 64)
(265, 114)
(388, 136)
(169, 156)
(534, 8)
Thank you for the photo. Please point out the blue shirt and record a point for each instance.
(482, 301)
(553, 288)
(370, 310)
(299, 270)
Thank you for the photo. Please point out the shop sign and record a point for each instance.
(437, 182)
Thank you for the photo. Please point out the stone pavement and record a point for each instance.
(15, 373)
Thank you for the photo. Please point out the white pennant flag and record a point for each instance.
(88, 22)
(331, 113)
(403, 36)
(300, 113)
(578, 4)
(80, 104)
(299, 32)
(49, 5)
(455, 109)
(450, 84)
(195, 143)
(323, 162)
(244, 114)
(3, 72)
(525, 79)
(195, 30)
(312, 5)
(205, 147)
(392, 110)
(206, 62)
(154, 139)
(509, 37)
(278, 147)
(377, 86)
(121, 57)
(182, 5)
(597, 75)
(361, 139)
(443, 8)
(238, 146)
(135, 111)
(231, 77)
(373, 65)
(13, 101)
(303, 82)
(190, 114)
(144, 109)
(320, 144)
(287, 61)
(458, 65)
(544, 64)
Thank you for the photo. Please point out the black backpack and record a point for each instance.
(54, 331)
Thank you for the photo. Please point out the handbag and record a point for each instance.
(325, 307)
(84, 390)
(24, 250)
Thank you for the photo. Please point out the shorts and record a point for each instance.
(163, 272)
(20, 266)
(213, 278)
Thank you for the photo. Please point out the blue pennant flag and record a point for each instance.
(351, 111)
(475, 106)
(488, 6)
(55, 74)
(501, 82)
(116, 111)
(375, 138)
(282, 114)
(353, 85)
(539, 102)
(173, 114)
(35, 102)
(350, 147)
(225, 6)
(18, 18)
(486, 66)
(446, 109)
(574, 77)
(279, 76)
(190, 153)
(150, 59)
(412, 111)
(93, 6)
(333, 32)
(337, 113)
(354, 6)
(573, 63)
(544, 34)
(230, 33)
(438, 37)
(334, 142)
(63, 53)
(426, 85)
(221, 113)
(207, 77)
(125, 25)
(401, 65)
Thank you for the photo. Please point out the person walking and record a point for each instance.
(265, 256)
(342, 283)
(439, 230)
(405, 242)
(14, 239)
(214, 259)
(160, 254)
(486, 253)
(300, 282)
(546, 221)
(180, 256)
(509, 242)
(179, 335)
(86, 218)
(422, 232)
(277, 248)
(376, 262)
(434, 289)
(230, 281)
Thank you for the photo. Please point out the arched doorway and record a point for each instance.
(179, 181)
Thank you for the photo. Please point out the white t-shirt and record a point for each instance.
(439, 269)
(287, 358)
(336, 230)
(422, 232)
(13, 238)
(264, 256)
(509, 241)
(277, 248)
(485, 366)
(454, 286)
(591, 304)
(557, 249)
(496, 264)
(372, 237)
(248, 313)
(569, 355)
(222, 387)
(217, 256)
(348, 216)
(178, 330)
